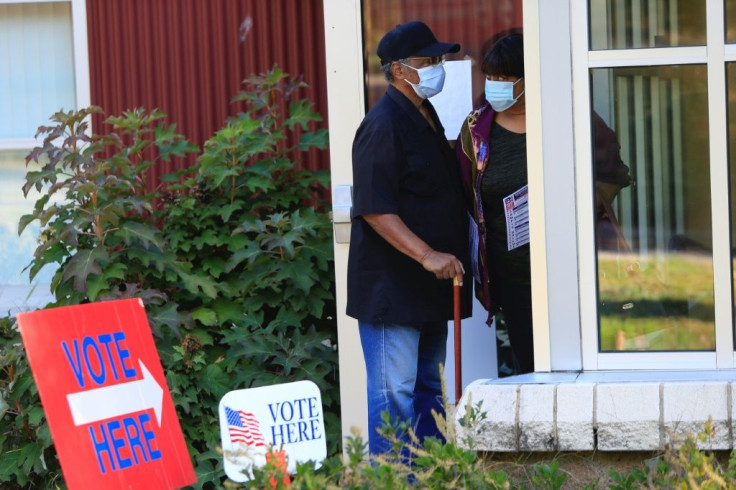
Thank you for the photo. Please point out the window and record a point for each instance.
(38, 79)
(47, 74)
(632, 24)
(654, 85)
(731, 21)
(655, 282)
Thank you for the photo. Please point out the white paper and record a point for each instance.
(455, 101)
(516, 206)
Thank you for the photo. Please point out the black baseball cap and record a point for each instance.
(414, 38)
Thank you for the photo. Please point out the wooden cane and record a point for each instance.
(458, 342)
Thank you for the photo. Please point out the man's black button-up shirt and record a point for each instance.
(401, 166)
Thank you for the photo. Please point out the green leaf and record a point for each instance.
(178, 239)
(11, 466)
(301, 277)
(253, 223)
(259, 183)
(38, 178)
(170, 143)
(220, 174)
(322, 178)
(37, 210)
(97, 284)
(44, 435)
(217, 382)
(35, 415)
(48, 213)
(213, 264)
(238, 241)
(25, 220)
(204, 336)
(148, 257)
(110, 215)
(228, 310)
(208, 237)
(226, 211)
(167, 315)
(137, 232)
(115, 271)
(196, 283)
(317, 139)
(82, 264)
(94, 286)
(250, 253)
(205, 316)
(50, 252)
(301, 113)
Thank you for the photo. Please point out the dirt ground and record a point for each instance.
(583, 469)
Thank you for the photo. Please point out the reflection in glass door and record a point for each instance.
(655, 278)
(471, 23)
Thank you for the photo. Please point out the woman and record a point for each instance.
(491, 149)
(492, 153)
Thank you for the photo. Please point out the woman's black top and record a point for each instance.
(506, 173)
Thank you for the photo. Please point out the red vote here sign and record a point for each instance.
(105, 396)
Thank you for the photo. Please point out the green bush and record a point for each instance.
(232, 257)
(27, 457)
(682, 465)
(435, 465)
(428, 465)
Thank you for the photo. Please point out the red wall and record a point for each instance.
(188, 58)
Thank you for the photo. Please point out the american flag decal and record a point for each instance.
(244, 427)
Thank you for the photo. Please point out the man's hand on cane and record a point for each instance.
(443, 265)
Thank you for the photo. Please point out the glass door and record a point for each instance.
(652, 106)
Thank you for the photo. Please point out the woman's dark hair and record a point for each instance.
(506, 57)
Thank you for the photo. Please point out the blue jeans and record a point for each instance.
(402, 364)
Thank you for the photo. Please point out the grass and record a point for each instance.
(656, 302)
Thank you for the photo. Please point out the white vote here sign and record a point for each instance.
(286, 417)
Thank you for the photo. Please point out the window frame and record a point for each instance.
(714, 56)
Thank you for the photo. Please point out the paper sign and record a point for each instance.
(455, 102)
(104, 392)
(286, 416)
(516, 206)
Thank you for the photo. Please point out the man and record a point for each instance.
(409, 235)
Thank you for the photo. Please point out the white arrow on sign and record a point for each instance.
(116, 400)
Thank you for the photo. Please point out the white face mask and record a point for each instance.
(501, 94)
(431, 80)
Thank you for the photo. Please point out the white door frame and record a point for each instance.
(345, 110)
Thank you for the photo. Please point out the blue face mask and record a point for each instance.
(501, 94)
(431, 80)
